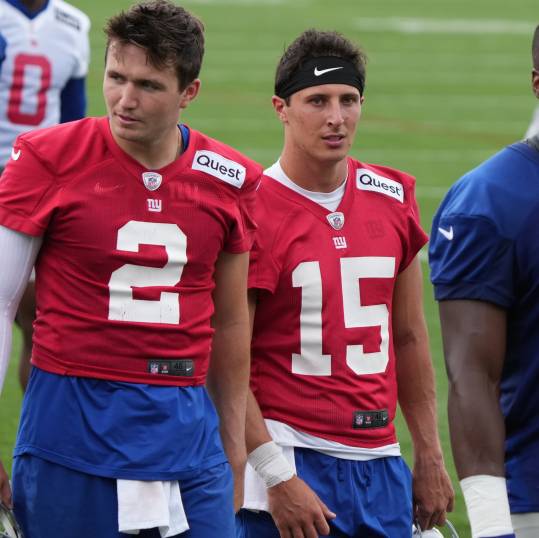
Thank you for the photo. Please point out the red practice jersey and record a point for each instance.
(322, 354)
(124, 276)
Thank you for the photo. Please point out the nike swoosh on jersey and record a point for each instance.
(15, 154)
(100, 188)
(318, 72)
(448, 234)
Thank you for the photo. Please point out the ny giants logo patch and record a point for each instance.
(154, 205)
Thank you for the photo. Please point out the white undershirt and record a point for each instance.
(329, 200)
(19, 252)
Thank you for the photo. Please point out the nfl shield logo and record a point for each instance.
(152, 180)
(154, 368)
(336, 220)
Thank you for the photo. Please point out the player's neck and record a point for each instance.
(314, 175)
(33, 5)
(155, 155)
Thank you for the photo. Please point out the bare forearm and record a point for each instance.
(417, 397)
(415, 376)
(474, 334)
(477, 428)
(474, 347)
(228, 380)
(432, 491)
(256, 432)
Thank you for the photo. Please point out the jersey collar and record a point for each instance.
(17, 4)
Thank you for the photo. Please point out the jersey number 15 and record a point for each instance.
(307, 276)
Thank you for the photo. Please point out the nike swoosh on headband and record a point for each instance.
(318, 72)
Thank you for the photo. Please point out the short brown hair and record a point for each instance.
(169, 34)
(313, 44)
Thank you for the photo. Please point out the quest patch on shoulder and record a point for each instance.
(367, 180)
(216, 165)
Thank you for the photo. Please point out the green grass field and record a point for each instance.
(448, 84)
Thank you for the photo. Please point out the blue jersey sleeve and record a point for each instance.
(3, 45)
(479, 225)
(73, 100)
(469, 259)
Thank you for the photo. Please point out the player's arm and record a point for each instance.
(73, 100)
(228, 374)
(432, 490)
(296, 509)
(19, 252)
(474, 336)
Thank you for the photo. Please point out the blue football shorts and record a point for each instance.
(372, 499)
(52, 501)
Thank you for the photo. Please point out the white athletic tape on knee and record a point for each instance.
(487, 504)
(270, 464)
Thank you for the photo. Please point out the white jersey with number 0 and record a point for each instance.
(40, 55)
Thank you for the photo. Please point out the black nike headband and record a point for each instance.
(322, 70)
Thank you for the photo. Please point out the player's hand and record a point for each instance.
(432, 492)
(297, 511)
(5, 489)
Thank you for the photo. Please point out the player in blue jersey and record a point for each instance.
(44, 54)
(484, 258)
(134, 415)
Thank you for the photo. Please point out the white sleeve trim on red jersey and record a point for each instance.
(19, 252)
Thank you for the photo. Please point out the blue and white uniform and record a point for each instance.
(44, 60)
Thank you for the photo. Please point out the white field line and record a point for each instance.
(447, 26)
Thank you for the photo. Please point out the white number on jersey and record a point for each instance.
(310, 361)
(122, 306)
(307, 276)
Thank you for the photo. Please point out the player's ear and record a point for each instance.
(280, 107)
(535, 82)
(361, 99)
(189, 93)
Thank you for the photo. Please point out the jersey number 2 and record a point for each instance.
(20, 91)
(311, 360)
(166, 309)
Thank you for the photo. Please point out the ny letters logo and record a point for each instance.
(340, 242)
(154, 205)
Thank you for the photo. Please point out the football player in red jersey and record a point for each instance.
(338, 329)
(141, 230)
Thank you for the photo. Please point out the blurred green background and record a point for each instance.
(448, 84)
